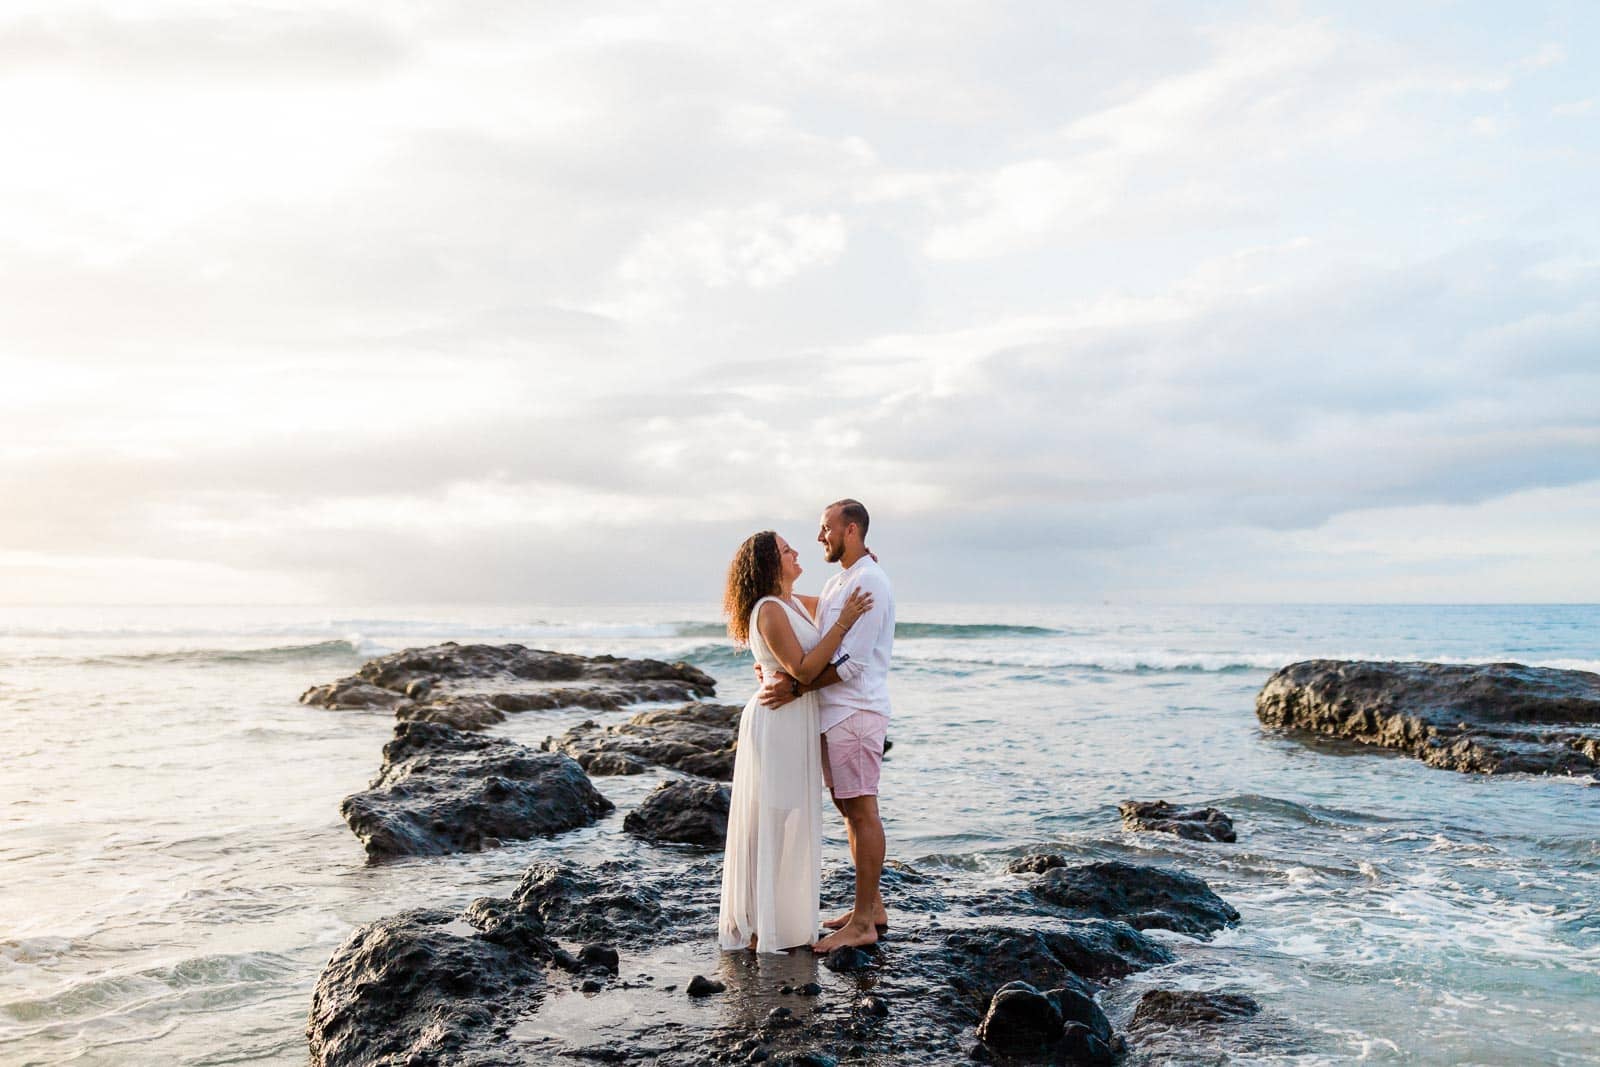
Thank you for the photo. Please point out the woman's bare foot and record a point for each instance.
(851, 933)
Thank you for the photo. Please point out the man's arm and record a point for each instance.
(857, 645)
(781, 688)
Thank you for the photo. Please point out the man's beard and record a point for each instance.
(833, 554)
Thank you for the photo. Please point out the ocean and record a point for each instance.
(176, 873)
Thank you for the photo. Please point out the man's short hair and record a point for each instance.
(852, 511)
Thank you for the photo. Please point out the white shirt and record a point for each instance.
(862, 661)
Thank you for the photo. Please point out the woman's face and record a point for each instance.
(791, 561)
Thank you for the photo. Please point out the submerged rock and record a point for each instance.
(1188, 1008)
(1142, 896)
(684, 813)
(1192, 824)
(701, 986)
(1493, 718)
(1036, 863)
(474, 686)
(697, 739)
(441, 791)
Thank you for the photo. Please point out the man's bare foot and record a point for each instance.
(881, 920)
(852, 933)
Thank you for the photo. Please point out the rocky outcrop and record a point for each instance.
(1191, 824)
(1493, 718)
(682, 813)
(441, 791)
(414, 988)
(1146, 898)
(696, 739)
(952, 982)
(471, 687)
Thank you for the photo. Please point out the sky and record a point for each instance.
(457, 302)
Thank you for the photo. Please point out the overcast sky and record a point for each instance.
(335, 302)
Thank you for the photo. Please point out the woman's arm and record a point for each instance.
(776, 630)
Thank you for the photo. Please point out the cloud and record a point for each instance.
(542, 303)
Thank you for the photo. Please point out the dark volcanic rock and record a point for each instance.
(407, 990)
(1078, 1006)
(452, 992)
(1193, 824)
(847, 958)
(1036, 863)
(1021, 1021)
(701, 986)
(1188, 1008)
(442, 791)
(1143, 897)
(696, 739)
(1495, 718)
(1080, 1044)
(474, 686)
(609, 902)
(1060, 955)
(682, 812)
(353, 693)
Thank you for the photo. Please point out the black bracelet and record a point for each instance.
(794, 686)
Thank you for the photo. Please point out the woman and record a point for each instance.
(771, 871)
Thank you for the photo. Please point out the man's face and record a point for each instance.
(830, 536)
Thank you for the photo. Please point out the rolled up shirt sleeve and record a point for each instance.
(856, 648)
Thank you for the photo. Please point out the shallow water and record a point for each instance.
(176, 872)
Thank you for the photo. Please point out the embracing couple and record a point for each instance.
(819, 719)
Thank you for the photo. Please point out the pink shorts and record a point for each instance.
(852, 755)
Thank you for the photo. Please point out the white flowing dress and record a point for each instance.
(772, 869)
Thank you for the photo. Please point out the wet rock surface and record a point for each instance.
(1144, 897)
(586, 960)
(411, 989)
(441, 790)
(1493, 718)
(472, 687)
(683, 813)
(696, 739)
(1192, 824)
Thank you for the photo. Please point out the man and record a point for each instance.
(853, 700)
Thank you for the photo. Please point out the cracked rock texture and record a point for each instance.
(472, 687)
(1493, 718)
(442, 790)
(696, 739)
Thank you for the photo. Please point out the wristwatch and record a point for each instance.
(794, 687)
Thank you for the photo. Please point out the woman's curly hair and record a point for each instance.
(754, 573)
